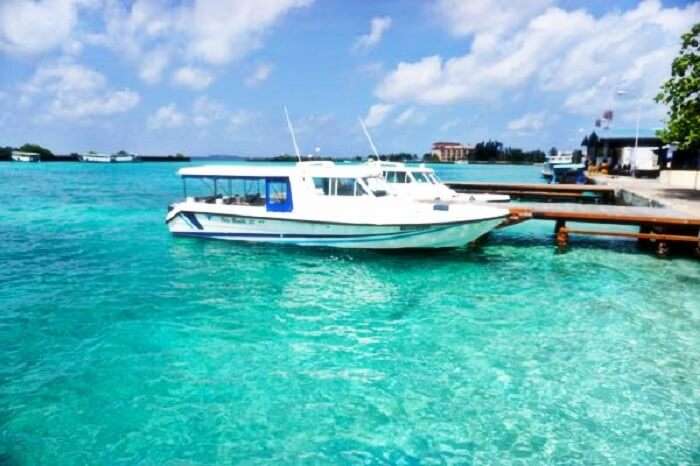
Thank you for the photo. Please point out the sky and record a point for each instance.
(213, 76)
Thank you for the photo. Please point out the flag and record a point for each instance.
(608, 115)
(597, 123)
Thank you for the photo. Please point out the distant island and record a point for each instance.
(46, 155)
(485, 152)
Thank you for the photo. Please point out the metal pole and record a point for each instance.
(636, 134)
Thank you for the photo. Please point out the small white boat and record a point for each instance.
(422, 184)
(559, 164)
(106, 158)
(320, 204)
(19, 156)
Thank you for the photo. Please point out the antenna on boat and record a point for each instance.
(369, 138)
(291, 131)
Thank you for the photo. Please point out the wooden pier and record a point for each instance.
(658, 227)
(544, 192)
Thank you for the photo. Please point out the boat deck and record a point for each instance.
(539, 191)
(658, 226)
(599, 213)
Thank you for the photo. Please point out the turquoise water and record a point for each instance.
(123, 345)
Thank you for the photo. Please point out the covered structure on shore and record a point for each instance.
(604, 146)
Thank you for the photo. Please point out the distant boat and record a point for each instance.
(106, 158)
(18, 156)
(560, 164)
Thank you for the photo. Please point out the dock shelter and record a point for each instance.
(604, 146)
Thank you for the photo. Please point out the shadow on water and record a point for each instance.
(473, 253)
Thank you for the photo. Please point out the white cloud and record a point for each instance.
(213, 32)
(410, 116)
(29, 27)
(259, 74)
(448, 125)
(377, 27)
(573, 54)
(493, 17)
(75, 92)
(206, 111)
(223, 30)
(527, 123)
(166, 116)
(193, 78)
(239, 119)
(153, 65)
(377, 114)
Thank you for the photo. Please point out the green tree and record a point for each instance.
(6, 153)
(682, 94)
(43, 152)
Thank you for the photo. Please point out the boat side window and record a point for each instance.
(324, 186)
(346, 186)
(359, 189)
(278, 195)
(420, 177)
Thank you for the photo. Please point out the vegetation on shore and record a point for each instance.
(496, 152)
(681, 92)
(46, 155)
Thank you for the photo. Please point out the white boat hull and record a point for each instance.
(24, 158)
(338, 235)
(107, 159)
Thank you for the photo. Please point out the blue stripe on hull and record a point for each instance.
(309, 238)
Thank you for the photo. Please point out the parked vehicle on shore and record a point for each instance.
(640, 161)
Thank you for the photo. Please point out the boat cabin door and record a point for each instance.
(278, 195)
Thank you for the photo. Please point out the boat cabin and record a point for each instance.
(280, 188)
(398, 173)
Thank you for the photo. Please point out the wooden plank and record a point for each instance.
(620, 215)
(536, 194)
(530, 187)
(624, 234)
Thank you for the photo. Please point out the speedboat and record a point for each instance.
(19, 156)
(560, 166)
(422, 184)
(319, 204)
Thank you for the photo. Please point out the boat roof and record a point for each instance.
(402, 166)
(318, 169)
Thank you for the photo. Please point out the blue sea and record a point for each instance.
(123, 345)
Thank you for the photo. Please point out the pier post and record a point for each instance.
(662, 249)
(562, 236)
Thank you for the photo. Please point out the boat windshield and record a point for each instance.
(421, 177)
(338, 187)
(396, 177)
(433, 178)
